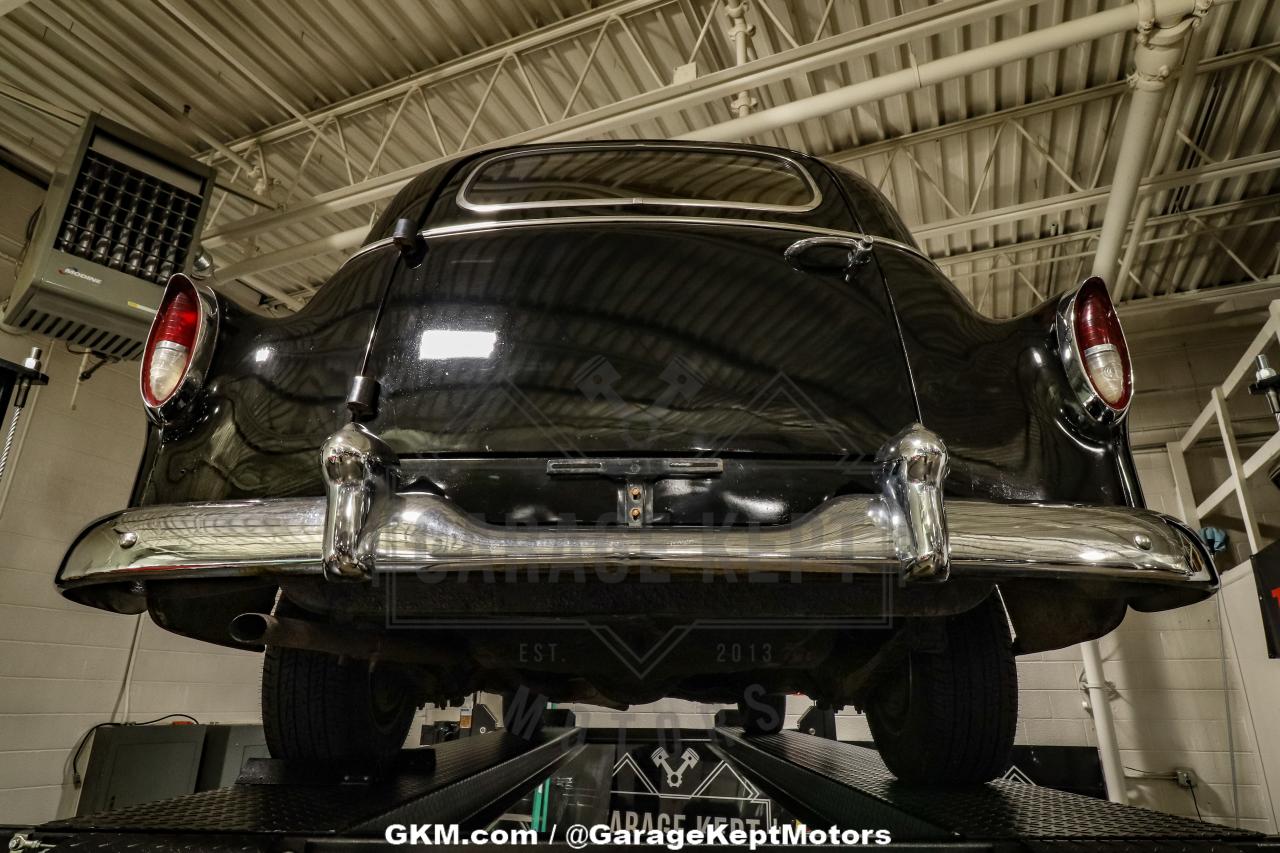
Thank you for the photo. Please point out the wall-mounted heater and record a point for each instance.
(122, 214)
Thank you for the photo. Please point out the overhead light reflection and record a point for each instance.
(455, 343)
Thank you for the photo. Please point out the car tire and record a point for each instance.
(947, 717)
(762, 713)
(318, 707)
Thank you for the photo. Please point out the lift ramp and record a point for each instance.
(623, 778)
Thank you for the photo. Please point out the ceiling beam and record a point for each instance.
(1047, 105)
(1261, 162)
(882, 35)
(1057, 37)
(272, 260)
(383, 186)
(1266, 288)
(469, 64)
(1270, 202)
(1243, 165)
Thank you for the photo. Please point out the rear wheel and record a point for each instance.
(319, 707)
(947, 717)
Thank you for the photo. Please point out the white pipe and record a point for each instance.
(1158, 50)
(1104, 724)
(1053, 38)
(1131, 163)
(335, 242)
(1155, 54)
(740, 32)
(1160, 160)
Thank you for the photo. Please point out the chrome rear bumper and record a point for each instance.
(427, 532)
(364, 525)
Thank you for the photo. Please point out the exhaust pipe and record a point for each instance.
(261, 629)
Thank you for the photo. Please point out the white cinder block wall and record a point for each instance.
(62, 665)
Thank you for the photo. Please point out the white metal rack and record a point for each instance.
(1241, 469)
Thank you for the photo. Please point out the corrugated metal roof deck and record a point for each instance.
(1002, 174)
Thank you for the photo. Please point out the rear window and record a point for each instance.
(626, 175)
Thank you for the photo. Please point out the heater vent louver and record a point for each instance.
(122, 214)
(128, 220)
(80, 334)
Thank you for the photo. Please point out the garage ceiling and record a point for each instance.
(315, 112)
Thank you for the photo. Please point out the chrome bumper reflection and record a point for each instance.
(427, 532)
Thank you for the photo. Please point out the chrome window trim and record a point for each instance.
(1073, 362)
(201, 355)
(498, 224)
(466, 204)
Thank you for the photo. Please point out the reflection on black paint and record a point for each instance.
(995, 392)
(666, 339)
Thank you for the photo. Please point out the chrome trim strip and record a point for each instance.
(497, 224)
(423, 531)
(466, 204)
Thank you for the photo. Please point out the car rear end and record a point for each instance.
(651, 360)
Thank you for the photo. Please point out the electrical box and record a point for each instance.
(227, 748)
(122, 214)
(140, 764)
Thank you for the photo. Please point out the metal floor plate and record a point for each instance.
(997, 810)
(841, 783)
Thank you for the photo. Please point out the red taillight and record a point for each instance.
(1104, 357)
(172, 342)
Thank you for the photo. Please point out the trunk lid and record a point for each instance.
(640, 338)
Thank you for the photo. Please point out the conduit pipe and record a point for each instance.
(1160, 160)
(1104, 724)
(1139, 14)
(1160, 42)
(1158, 52)
(740, 32)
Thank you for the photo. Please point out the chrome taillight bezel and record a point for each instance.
(177, 405)
(1082, 386)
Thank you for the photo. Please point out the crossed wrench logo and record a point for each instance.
(674, 777)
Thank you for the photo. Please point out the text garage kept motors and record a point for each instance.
(580, 836)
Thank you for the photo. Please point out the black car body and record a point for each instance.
(578, 359)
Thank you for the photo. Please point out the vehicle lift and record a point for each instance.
(284, 807)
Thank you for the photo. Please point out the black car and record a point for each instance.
(609, 422)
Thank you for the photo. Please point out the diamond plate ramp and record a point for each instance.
(468, 774)
(856, 781)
